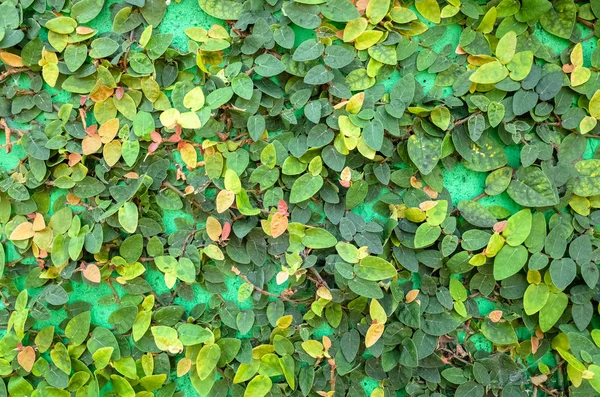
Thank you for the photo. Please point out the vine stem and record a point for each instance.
(262, 291)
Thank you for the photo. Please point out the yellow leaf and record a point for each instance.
(23, 231)
(577, 55)
(580, 75)
(39, 223)
(169, 117)
(214, 252)
(324, 293)
(213, 228)
(355, 103)
(112, 152)
(488, 21)
(373, 334)
(354, 29)
(377, 312)
(430, 9)
(377, 392)
(594, 107)
(194, 99)
(224, 200)
(377, 9)
(507, 45)
(189, 155)
(50, 73)
(313, 348)
(587, 124)
(189, 120)
(284, 322)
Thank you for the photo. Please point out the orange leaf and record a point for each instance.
(91, 144)
(22, 232)
(73, 199)
(411, 295)
(430, 192)
(427, 205)
(415, 183)
(345, 177)
(535, 344)
(213, 228)
(495, 315)
(11, 59)
(74, 158)
(108, 131)
(84, 30)
(225, 199)
(26, 358)
(183, 366)
(279, 224)
(373, 334)
(226, 231)
(500, 226)
(92, 273)
(326, 343)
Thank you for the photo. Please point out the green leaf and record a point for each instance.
(207, 360)
(500, 333)
(426, 235)
(372, 268)
(226, 9)
(377, 10)
(563, 272)
(318, 238)
(258, 387)
(588, 182)
(535, 298)
(489, 73)
(552, 310)
(78, 327)
(560, 19)
(532, 188)
(424, 151)
(476, 214)
(128, 217)
(509, 261)
(305, 187)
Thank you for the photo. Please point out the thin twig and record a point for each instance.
(267, 293)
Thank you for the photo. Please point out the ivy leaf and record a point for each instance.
(552, 310)
(560, 19)
(532, 188)
(424, 151)
(226, 9)
(489, 73)
(259, 386)
(305, 187)
(372, 268)
(509, 261)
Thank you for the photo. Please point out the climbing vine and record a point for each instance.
(310, 197)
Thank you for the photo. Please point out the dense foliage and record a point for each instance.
(265, 210)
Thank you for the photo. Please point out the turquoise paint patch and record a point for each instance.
(10, 161)
(183, 15)
(481, 343)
